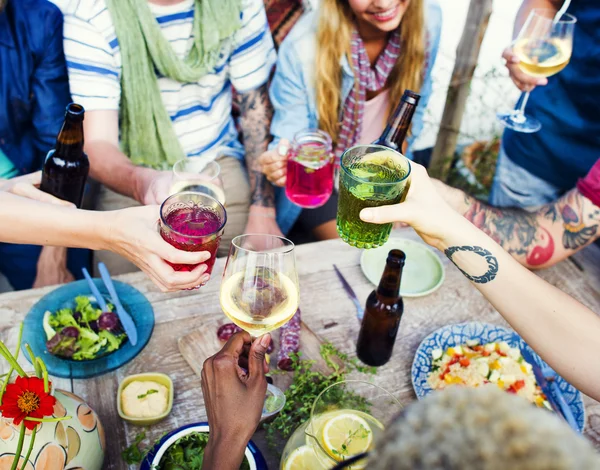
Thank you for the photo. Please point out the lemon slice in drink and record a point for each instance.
(345, 435)
(302, 458)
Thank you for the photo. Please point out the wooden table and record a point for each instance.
(323, 304)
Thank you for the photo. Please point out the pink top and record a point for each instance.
(374, 117)
(590, 185)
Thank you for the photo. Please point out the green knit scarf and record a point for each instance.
(147, 133)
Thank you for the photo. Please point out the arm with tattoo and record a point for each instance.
(256, 115)
(536, 239)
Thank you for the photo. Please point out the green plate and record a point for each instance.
(423, 271)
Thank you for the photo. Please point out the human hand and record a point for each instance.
(424, 210)
(152, 186)
(52, 267)
(233, 398)
(273, 163)
(133, 234)
(28, 186)
(523, 81)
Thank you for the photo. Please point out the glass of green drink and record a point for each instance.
(370, 176)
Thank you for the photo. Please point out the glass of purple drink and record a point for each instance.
(310, 169)
(193, 221)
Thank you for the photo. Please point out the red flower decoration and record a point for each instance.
(26, 398)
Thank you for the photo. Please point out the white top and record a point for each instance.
(200, 111)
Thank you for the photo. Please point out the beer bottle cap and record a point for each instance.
(396, 258)
(75, 112)
(411, 97)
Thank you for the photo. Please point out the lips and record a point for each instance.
(385, 15)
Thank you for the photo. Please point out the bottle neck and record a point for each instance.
(389, 285)
(69, 143)
(397, 126)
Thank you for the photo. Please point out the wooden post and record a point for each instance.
(467, 54)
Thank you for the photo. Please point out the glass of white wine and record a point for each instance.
(543, 46)
(259, 291)
(199, 175)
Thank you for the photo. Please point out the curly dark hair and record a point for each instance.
(480, 429)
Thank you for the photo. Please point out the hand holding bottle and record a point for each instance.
(28, 186)
(273, 163)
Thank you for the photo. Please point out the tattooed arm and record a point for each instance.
(256, 115)
(562, 331)
(536, 239)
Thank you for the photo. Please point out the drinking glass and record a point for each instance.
(346, 421)
(199, 175)
(259, 291)
(192, 221)
(544, 48)
(310, 169)
(370, 176)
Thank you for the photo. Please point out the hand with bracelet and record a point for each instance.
(562, 331)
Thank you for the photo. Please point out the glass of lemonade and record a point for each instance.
(310, 167)
(347, 419)
(193, 221)
(259, 291)
(370, 176)
(544, 48)
(199, 175)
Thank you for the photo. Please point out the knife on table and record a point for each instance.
(553, 394)
(360, 312)
(124, 317)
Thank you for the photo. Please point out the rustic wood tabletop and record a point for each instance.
(326, 310)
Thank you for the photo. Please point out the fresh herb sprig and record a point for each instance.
(149, 392)
(307, 386)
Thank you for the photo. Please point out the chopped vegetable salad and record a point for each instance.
(474, 365)
(83, 333)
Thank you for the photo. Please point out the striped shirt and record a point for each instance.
(200, 111)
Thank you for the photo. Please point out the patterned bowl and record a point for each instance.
(453, 335)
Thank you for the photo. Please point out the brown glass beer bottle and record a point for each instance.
(399, 122)
(382, 314)
(67, 166)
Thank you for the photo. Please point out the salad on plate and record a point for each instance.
(84, 332)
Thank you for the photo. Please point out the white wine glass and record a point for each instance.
(199, 175)
(259, 291)
(543, 46)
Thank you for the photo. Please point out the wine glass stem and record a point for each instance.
(519, 114)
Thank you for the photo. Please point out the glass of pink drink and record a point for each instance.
(310, 169)
(193, 221)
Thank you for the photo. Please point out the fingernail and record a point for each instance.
(366, 215)
(542, 81)
(283, 150)
(265, 340)
(204, 279)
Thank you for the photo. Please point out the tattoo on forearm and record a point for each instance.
(521, 233)
(492, 263)
(256, 114)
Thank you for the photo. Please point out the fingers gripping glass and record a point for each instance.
(544, 48)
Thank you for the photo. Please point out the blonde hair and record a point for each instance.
(336, 21)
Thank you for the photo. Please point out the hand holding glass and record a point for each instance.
(193, 222)
(544, 48)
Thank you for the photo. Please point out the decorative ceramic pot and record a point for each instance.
(75, 444)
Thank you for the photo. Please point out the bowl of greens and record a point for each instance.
(76, 339)
(83, 332)
(183, 449)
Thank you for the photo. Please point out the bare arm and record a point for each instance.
(529, 5)
(562, 331)
(108, 164)
(536, 239)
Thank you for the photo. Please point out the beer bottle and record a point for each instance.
(382, 314)
(399, 122)
(66, 167)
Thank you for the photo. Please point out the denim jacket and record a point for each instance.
(34, 88)
(292, 91)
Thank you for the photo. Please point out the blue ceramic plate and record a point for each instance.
(453, 335)
(133, 302)
(253, 454)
